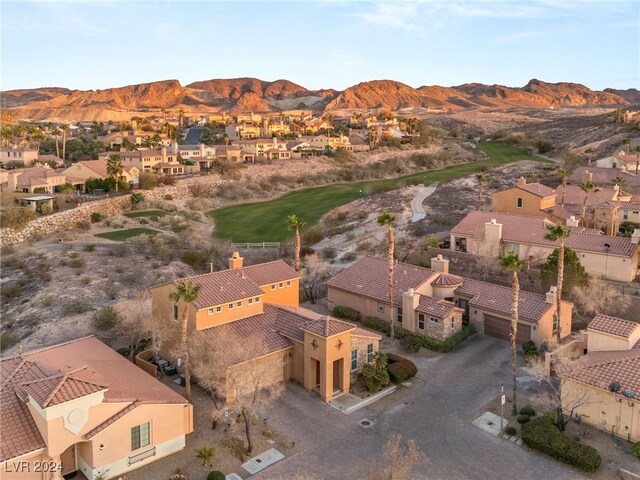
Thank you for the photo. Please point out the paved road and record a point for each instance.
(416, 203)
(457, 386)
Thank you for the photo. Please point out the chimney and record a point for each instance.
(551, 295)
(235, 261)
(410, 301)
(275, 142)
(635, 236)
(163, 152)
(493, 230)
(587, 176)
(522, 181)
(572, 222)
(440, 264)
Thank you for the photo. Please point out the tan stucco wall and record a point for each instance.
(505, 201)
(601, 341)
(366, 306)
(329, 350)
(285, 295)
(621, 419)
(268, 370)
(16, 469)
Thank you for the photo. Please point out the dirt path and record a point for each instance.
(416, 203)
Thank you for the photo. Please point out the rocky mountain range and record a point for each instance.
(243, 95)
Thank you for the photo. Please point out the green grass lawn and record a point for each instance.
(146, 213)
(266, 221)
(122, 235)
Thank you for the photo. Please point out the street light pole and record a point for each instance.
(502, 399)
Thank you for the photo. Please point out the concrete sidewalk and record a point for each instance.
(416, 203)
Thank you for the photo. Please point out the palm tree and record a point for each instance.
(564, 175)
(589, 151)
(187, 293)
(619, 180)
(65, 128)
(482, 178)
(385, 218)
(587, 187)
(55, 131)
(512, 263)
(115, 168)
(637, 158)
(626, 142)
(296, 223)
(554, 233)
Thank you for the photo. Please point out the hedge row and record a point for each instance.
(400, 369)
(542, 434)
(347, 313)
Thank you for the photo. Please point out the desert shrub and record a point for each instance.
(216, 475)
(17, 218)
(329, 253)
(433, 242)
(199, 190)
(204, 454)
(7, 341)
(529, 346)
(195, 259)
(312, 236)
(168, 197)
(378, 324)
(178, 475)
(119, 250)
(76, 307)
(89, 247)
(106, 318)
(522, 419)
(304, 251)
(200, 204)
(136, 198)
(544, 146)
(237, 447)
(636, 449)
(364, 247)
(400, 369)
(542, 434)
(528, 410)
(83, 226)
(85, 281)
(11, 290)
(510, 431)
(347, 313)
(348, 257)
(96, 217)
(77, 263)
(147, 181)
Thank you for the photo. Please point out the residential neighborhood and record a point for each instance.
(320, 240)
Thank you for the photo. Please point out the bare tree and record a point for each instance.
(599, 296)
(134, 320)
(399, 458)
(563, 400)
(314, 273)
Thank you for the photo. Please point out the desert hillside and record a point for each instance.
(243, 95)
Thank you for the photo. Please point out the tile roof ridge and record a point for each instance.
(14, 372)
(107, 422)
(623, 357)
(64, 344)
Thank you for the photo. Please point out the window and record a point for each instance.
(555, 323)
(420, 321)
(288, 283)
(354, 359)
(231, 306)
(257, 299)
(453, 323)
(239, 304)
(519, 202)
(273, 287)
(250, 301)
(399, 315)
(434, 319)
(280, 285)
(175, 312)
(218, 309)
(625, 215)
(211, 311)
(381, 307)
(140, 436)
(370, 353)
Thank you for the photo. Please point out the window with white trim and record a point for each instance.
(273, 287)
(288, 283)
(230, 306)
(354, 359)
(399, 315)
(381, 307)
(250, 301)
(420, 321)
(370, 353)
(434, 319)
(280, 285)
(212, 311)
(218, 309)
(140, 436)
(453, 322)
(257, 299)
(239, 304)
(519, 202)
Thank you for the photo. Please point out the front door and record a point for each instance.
(68, 460)
(464, 304)
(317, 372)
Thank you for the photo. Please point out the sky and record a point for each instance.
(319, 44)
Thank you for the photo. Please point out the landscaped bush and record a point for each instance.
(374, 375)
(528, 410)
(510, 431)
(347, 313)
(636, 449)
(312, 236)
(412, 342)
(96, 217)
(204, 454)
(378, 324)
(541, 434)
(522, 419)
(106, 318)
(400, 333)
(400, 369)
(216, 475)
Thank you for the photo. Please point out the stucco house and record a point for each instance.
(436, 303)
(608, 378)
(18, 154)
(36, 180)
(259, 305)
(87, 169)
(491, 234)
(86, 408)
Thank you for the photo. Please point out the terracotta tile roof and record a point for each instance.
(110, 421)
(532, 230)
(435, 307)
(226, 286)
(326, 326)
(58, 389)
(574, 195)
(600, 369)
(361, 332)
(368, 278)
(613, 325)
(605, 176)
(496, 298)
(98, 166)
(637, 345)
(447, 280)
(537, 189)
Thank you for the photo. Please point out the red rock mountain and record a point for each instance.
(252, 95)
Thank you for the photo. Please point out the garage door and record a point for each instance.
(501, 328)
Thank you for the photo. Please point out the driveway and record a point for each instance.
(438, 416)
